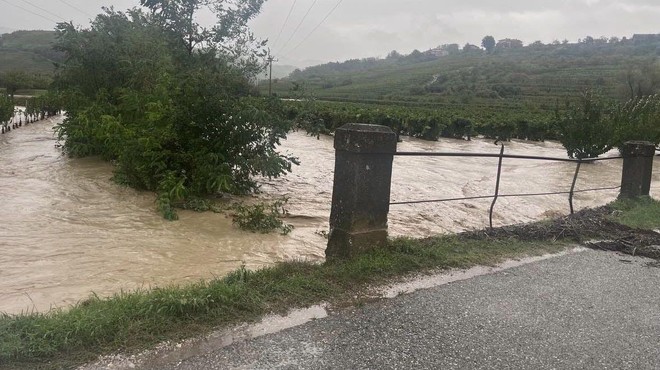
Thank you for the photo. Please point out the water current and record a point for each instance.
(67, 230)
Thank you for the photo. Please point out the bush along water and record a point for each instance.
(173, 107)
(262, 218)
(594, 125)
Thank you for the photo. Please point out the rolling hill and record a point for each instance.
(28, 51)
(536, 76)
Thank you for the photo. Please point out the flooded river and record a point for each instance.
(67, 230)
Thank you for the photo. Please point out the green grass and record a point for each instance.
(132, 321)
(643, 213)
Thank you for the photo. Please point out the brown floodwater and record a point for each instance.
(67, 230)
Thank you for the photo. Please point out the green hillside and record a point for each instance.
(28, 51)
(535, 76)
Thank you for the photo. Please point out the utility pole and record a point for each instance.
(270, 76)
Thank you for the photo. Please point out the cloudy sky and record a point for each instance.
(363, 28)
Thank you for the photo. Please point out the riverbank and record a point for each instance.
(130, 322)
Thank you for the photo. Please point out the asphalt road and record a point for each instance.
(589, 310)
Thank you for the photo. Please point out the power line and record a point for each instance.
(299, 24)
(30, 11)
(76, 8)
(317, 26)
(285, 22)
(43, 10)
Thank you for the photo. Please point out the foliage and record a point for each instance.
(595, 125)
(16, 82)
(262, 217)
(6, 108)
(488, 43)
(637, 119)
(172, 105)
(585, 129)
(425, 123)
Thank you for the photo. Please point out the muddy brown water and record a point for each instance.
(67, 230)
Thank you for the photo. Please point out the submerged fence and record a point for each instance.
(363, 171)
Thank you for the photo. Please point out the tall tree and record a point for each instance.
(13, 81)
(488, 43)
(170, 101)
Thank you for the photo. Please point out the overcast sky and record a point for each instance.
(364, 28)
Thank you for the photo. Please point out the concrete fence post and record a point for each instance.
(637, 169)
(361, 191)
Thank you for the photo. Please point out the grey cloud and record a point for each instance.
(363, 28)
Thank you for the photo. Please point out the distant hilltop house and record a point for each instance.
(646, 38)
(444, 50)
(438, 52)
(509, 44)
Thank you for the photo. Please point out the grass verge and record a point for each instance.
(642, 213)
(138, 320)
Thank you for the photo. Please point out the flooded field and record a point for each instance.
(67, 230)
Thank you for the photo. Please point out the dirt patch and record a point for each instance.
(582, 227)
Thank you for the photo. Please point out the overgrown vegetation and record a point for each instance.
(137, 320)
(594, 125)
(262, 217)
(174, 107)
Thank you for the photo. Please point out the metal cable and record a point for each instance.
(29, 11)
(299, 24)
(504, 196)
(316, 28)
(285, 23)
(76, 8)
(43, 10)
(494, 155)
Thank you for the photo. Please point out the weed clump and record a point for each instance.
(262, 218)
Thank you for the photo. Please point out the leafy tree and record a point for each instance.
(394, 55)
(169, 101)
(14, 81)
(488, 43)
(585, 129)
